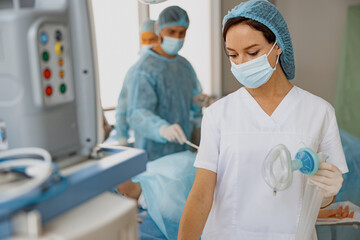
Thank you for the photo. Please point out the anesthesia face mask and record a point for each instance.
(278, 166)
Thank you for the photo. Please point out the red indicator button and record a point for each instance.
(48, 91)
(47, 73)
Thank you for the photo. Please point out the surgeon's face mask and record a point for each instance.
(172, 45)
(254, 73)
(145, 48)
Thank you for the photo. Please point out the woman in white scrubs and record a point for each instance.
(229, 198)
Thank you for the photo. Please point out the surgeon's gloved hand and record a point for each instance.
(329, 178)
(201, 100)
(123, 142)
(173, 133)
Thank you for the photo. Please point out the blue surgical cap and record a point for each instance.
(172, 16)
(266, 13)
(147, 25)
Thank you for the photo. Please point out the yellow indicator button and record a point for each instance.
(60, 62)
(59, 48)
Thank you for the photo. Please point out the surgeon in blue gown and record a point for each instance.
(148, 39)
(164, 93)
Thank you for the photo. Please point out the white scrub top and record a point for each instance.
(236, 136)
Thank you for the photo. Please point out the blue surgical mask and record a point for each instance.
(172, 45)
(254, 73)
(147, 46)
(144, 48)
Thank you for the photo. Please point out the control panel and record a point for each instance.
(55, 67)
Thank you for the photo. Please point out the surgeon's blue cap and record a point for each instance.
(147, 25)
(172, 16)
(266, 13)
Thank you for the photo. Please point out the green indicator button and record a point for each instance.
(45, 56)
(62, 88)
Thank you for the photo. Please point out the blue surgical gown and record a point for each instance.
(121, 125)
(159, 92)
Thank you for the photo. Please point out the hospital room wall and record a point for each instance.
(316, 28)
(317, 31)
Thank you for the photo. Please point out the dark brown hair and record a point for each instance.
(268, 34)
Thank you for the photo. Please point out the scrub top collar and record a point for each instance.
(283, 109)
(153, 53)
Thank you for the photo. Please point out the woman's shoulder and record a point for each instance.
(229, 101)
(313, 101)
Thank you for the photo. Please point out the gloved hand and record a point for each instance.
(201, 100)
(329, 178)
(173, 133)
(327, 201)
(123, 142)
(336, 213)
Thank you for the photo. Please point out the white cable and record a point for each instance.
(43, 167)
(26, 151)
(29, 164)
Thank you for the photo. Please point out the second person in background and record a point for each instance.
(164, 92)
(148, 39)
